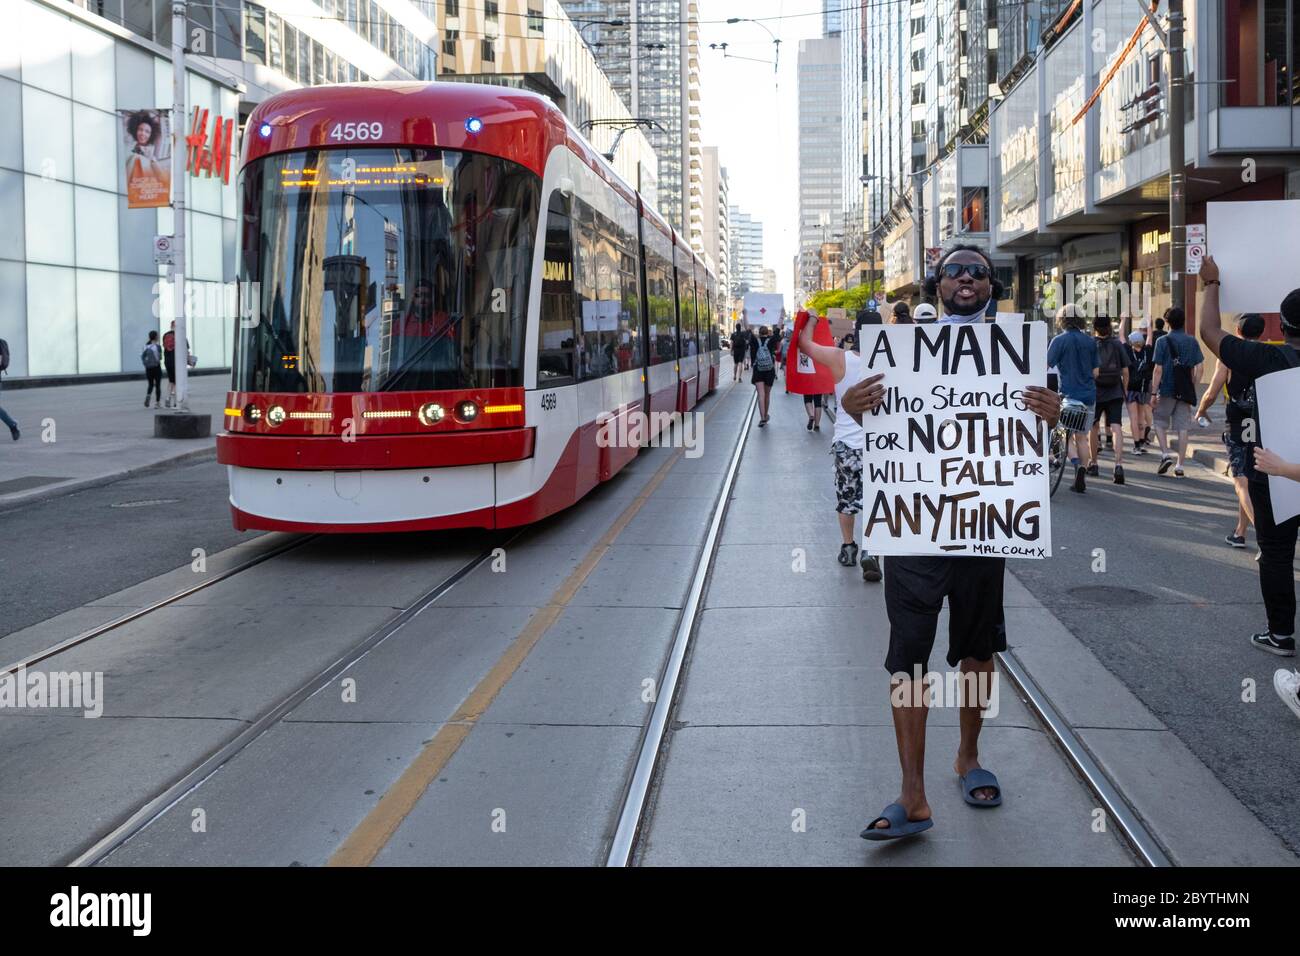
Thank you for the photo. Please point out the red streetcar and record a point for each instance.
(451, 293)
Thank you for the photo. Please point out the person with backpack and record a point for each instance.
(1138, 394)
(1075, 357)
(151, 359)
(1178, 362)
(763, 350)
(1113, 371)
(1277, 539)
(4, 367)
(1239, 407)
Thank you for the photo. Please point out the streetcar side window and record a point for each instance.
(555, 349)
(659, 299)
(686, 305)
(605, 289)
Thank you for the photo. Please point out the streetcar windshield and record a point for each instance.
(368, 270)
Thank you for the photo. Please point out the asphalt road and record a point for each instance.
(60, 553)
(1171, 615)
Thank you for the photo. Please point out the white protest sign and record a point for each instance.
(955, 464)
(1278, 394)
(1249, 241)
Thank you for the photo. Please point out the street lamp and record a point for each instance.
(722, 47)
(776, 41)
(597, 23)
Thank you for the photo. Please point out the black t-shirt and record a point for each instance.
(1251, 360)
(739, 342)
(1140, 369)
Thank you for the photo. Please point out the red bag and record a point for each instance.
(803, 376)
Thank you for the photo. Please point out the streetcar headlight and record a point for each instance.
(473, 124)
(252, 414)
(275, 415)
(264, 130)
(431, 414)
(466, 411)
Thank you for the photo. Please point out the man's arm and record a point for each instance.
(832, 358)
(1210, 321)
(1220, 379)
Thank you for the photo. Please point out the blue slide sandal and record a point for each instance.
(899, 826)
(980, 779)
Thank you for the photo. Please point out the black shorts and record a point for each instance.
(768, 378)
(169, 361)
(914, 591)
(1114, 411)
(814, 400)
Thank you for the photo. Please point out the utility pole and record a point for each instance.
(1177, 176)
(179, 31)
(918, 211)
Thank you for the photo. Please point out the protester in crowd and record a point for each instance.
(781, 353)
(1239, 404)
(902, 315)
(846, 445)
(1277, 539)
(924, 314)
(1074, 355)
(739, 350)
(915, 588)
(812, 404)
(151, 359)
(1113, 369)
(1177, 362)
(4, 367)
(763, 350)
(1138, 393)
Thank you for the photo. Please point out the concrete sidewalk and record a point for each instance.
(76, 436)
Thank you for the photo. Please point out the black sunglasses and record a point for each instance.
(955, 270)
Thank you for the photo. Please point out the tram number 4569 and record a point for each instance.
(549, 402)
(355, 131)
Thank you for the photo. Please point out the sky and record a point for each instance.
(748, 112)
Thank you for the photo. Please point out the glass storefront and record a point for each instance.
(1015, 124)
(1065, 97)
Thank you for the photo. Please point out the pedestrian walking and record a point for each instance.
(812, 404)
(915, 588)
(1113, 369)
(1138, 394)
(739, 350)
(1178, 361)
(151, 358)
(847, 445)
(762, 356)
(4, 369)
(1239, 405)
(1277, 539)
(1075, 357)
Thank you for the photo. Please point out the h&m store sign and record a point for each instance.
(209, 157)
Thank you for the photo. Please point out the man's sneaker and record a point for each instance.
(870, 568)
(1139, 447)
(1119, 474)
(1268, 641)
(1178, 472)
(848, 554)
(1079, 484)
(1236, 540)
(1166, 462)
(1094, 471)
(1287, 685)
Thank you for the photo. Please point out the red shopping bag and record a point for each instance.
(803, 376)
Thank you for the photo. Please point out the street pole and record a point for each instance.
(1177, 176)
(918, 210)
(182, 352)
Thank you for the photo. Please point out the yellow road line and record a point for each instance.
(372, 834)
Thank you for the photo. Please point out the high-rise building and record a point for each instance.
(769, 280)
(716, 229)
(746, 253)
(832, 17)
(534, 45)
(853, 72)
(651, 56)
(821, 189)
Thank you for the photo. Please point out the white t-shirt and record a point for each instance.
(846, 429)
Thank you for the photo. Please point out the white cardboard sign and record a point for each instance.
(1250, 243)
(1278, 395)
(954, 463)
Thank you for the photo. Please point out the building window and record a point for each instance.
(274, 47)
(1255, 54)
(488, 51)
(290, 52)
(449, 38)
(255, 33)
(536, 21)
(490, 9)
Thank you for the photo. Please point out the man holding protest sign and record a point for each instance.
(918, 577)
(1277, 539)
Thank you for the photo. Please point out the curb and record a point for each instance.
(9, 503)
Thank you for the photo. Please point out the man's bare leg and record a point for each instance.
(976, 682)
(909, 732)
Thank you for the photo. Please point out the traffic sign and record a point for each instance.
(871, 304)
(163, 254)
(1195, 247)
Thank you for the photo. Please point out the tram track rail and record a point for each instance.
(151, 810)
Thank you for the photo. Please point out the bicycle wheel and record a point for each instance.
(1057, 459)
